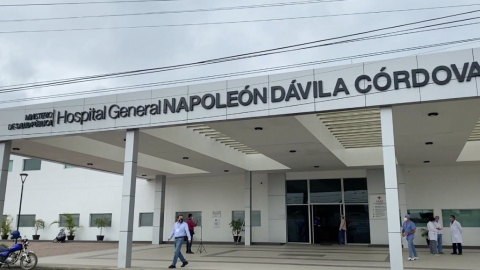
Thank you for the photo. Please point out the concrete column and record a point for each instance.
(159, 209)
(128, 199)
(4, 161)
(402, 197)
(277, 216)
(248, 208)
(391, 189)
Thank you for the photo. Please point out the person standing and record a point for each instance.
(439, 235)
(408, 231)
(191, 227)
(179, 231)
(341, 231)
(456, 230)
(316, 229)
(432, 235)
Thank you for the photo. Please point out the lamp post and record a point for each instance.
(23, 177)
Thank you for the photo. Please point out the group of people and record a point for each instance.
(435, 236)
(182, 231)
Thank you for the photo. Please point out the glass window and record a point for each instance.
(27, 220)
(355, 190)
(326, 191)
(297, 192)
(93, 217)
(297, 223)
(466, 217)
(69, 166)
(420, 217)
(10, 165)
(256, 217)
(197, 216)
(146, 220)
(358, 224)
(32, 164)
(63, 223)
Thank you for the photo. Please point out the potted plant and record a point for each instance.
(38, 224)
(237, 228)
(71, 227)
(101, 223)
(424, 233)
(6, 227)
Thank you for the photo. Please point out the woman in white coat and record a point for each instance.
(456, 231)
(432, 236)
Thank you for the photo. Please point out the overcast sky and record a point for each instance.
(35, 57)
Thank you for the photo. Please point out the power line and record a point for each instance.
(211, 61)
(228, 75)
(207, 23)
(86, 3)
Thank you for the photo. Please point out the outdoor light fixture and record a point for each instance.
(426, 161)
(226, 171)
(429, 143)
(258, 128)
(90, 164)
(23, 177)
(316, 166)
(185, 157)
(16, 149)
(433, 114)
(293, 151)
(144, 175)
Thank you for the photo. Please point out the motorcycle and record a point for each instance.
(18, 252)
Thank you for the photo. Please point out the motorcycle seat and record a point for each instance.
(2, 249)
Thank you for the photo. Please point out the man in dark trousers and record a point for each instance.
(191, 227)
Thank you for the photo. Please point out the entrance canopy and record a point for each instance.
(317, 119)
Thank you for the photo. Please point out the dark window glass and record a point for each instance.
(297, 192)
(93, 217)
(297, 223)
(326, 191)
(27, 220)
(256, 217)
(197, 216)
(146, 220)
(420, 217)
(466, 217)
(355, 190)
(32, 164)
(358, 224)
(63, 220)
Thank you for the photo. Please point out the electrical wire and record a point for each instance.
(216, 23)
(236, 74)
(211, 61)
(85, 3)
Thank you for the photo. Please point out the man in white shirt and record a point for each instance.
(439, 227)
(179, 231)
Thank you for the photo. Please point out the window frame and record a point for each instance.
(60, 219)
(256, 211)
(25, 215)
(92, 224)
(10, 165)
(140, 219)
(29, 159)
(418, 224)
(451, 211)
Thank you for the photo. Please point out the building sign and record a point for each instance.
(363, 84)
(216, 214)
(378, 206)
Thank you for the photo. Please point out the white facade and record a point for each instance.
(55, 189)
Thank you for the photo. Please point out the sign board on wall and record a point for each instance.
(216, 223)
(216, 214)
(378, 206)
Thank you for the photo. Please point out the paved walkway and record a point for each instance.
(286, 257)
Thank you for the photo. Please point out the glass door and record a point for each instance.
(325, 223)
(297, 223)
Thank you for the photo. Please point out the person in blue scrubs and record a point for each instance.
(408, 231)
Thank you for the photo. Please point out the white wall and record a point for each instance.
(440, 188)
(54, 190)
(216, 193)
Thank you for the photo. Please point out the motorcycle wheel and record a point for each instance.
(29, 262)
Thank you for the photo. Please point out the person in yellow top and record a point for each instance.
(341, 231)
